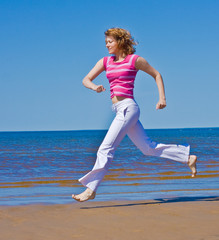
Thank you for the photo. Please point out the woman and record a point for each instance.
(121, 69)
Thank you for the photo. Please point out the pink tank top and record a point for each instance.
(121, 75)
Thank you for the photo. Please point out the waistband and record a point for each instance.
(124, 103)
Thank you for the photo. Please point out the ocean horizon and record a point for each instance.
(76, 130)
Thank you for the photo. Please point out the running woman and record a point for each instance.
(121, 69)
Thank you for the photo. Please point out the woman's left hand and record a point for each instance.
(161, 104)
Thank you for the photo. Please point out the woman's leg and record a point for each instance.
(126, 117)
(174, 152)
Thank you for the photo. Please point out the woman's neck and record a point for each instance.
(120, 56)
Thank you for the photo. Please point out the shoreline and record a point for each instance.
(166, 219)
(167, 196)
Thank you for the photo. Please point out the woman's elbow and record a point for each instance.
(158, 76)
(84, 81)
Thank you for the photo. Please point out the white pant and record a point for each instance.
(126, 122)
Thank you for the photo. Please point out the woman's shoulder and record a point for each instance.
(108, 57)
(107, 60)
(135, 56)
(132, 58)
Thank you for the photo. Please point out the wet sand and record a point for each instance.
(163, 219)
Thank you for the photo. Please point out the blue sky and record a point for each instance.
(47, 47)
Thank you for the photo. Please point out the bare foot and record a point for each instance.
(192, 164)
(84, 196)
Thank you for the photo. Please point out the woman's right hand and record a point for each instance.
(99, 88)
(161, 104)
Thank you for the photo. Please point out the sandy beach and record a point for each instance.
(166, 219)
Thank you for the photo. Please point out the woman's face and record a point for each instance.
(111, 45)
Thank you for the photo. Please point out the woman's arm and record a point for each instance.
(95, 71)
(143, 65)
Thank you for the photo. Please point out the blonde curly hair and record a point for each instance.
(124, 39)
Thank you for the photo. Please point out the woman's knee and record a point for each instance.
(149, 149)
(104, 158)
(105, 151)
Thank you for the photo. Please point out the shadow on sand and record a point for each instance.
(159, 201)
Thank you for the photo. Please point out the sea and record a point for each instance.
(43, 167)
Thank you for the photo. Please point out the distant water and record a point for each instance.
(43, 167)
